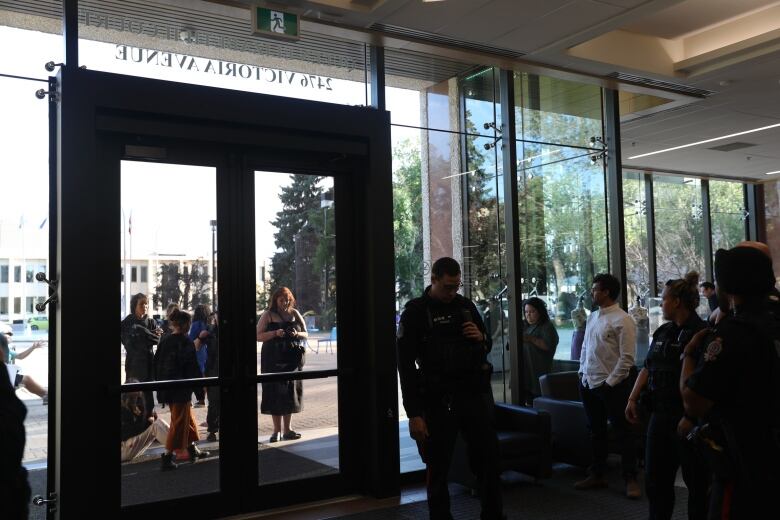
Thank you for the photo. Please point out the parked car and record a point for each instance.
(38, 323)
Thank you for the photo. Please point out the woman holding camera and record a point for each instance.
(282, 331)
(658, 384)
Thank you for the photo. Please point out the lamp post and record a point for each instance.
(214, 264)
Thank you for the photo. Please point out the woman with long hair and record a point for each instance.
(540, 339)
(281, 329)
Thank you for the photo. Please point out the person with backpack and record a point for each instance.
(733, 390)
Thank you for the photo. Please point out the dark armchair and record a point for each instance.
(524, 445)
(570, 436)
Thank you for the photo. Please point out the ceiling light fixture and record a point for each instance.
(772, 173)
(706, 141)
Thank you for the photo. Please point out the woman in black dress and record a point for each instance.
(282, 331)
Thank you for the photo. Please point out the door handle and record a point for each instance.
(53, 286)
(50, 503)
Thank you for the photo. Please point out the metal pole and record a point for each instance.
(617, 239)
(214, 264)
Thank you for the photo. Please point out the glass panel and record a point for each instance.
(727, 214)
(428, 91)
(772, 208)
(207, 43)
(563, 237)
(679, 235)
(637, 258)
(179, 252)
(556, 111)
(296, 329)
(33, 31)
(24, 246)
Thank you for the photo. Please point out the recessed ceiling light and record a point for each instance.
(772, 173)
(705, 141)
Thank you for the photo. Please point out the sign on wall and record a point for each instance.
(274, 23)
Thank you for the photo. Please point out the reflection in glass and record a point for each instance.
(727, 214)
(679, 228)
(295, 244)
(562, 228)
(168, 331)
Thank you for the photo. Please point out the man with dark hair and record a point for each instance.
(606, 361)
(733, 390)
(443, 334)
(708, 291)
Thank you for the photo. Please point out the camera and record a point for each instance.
(289, 330)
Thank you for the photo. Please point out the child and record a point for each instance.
(175, 359)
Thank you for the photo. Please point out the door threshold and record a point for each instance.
(337, 507)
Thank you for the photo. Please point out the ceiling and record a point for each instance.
(731, 47)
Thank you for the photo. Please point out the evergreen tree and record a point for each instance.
(299, 199)
(407, 220)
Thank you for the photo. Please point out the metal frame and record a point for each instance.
(96, 115)
(614, 173)
(755, 205)
(652, 267)
(511, 236)
(706, 229)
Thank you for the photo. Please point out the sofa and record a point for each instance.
(524, 445)
(570, 435)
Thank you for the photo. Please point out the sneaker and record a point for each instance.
(167, 462)
(274, 437)
(592, 482)
(291, 436)
(632, 488)
(212, 437)
(196, 453)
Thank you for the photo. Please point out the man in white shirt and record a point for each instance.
(607, 358)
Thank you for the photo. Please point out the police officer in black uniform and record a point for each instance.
(445, 382)
(658, 386)
(731, 390)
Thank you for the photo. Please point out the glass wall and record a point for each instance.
(562, 205)
(772, 201)
(727, 214)
(635, 210)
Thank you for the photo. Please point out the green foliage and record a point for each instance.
(407, 220)
(187, 288)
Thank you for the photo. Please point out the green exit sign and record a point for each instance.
(267, 21)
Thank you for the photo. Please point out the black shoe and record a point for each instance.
(196, 453)
(291, 435)
(167, 462)
(212, 437)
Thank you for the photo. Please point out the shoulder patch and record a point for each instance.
(713, 350)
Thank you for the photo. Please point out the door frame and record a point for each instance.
(96, 113)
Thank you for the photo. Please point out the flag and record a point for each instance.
(130, 224)
(21, 222)
(43, 223)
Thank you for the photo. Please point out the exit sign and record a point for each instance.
(274, 23)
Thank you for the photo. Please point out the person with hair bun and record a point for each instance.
(658, 385)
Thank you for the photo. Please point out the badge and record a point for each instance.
(713, 350)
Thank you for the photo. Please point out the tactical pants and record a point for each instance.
(472, 415)
(609, 403)
(664, 454)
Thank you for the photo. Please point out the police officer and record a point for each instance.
(443, 334)
(731, 390)
(658, 385)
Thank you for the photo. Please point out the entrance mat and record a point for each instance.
(553, 498)
(144, 482)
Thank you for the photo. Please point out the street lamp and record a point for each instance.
(214, 264)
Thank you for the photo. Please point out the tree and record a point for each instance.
(167, 290)
(407, 220)
(187, 289)
(298, 199)
(197, 288)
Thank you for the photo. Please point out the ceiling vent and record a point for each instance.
(730, 147)
(403, 32)
(666, 85)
